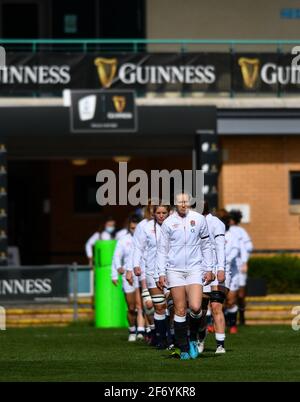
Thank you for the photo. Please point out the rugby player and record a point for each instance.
(147, 245)
(235, 219)
(216, 291)
(233, 258)
(146, 298)
(132, 293)
(184, 240)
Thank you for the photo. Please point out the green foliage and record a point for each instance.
(282, 273)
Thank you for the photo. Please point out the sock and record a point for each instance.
(148, 330)
(220, 339)
(169, 334)
(160, 328)
(202, 327)
(202, 334)
(141, 330)
(209, 318)
(152, 335)
(195, 321)
(242, 307)
(232, 315)
(132, 329)
(226, 318)
(180, 327)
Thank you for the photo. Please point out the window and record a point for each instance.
(85, 189)
(294, 187)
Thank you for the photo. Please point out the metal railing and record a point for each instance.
(138, 45)
(133, 43)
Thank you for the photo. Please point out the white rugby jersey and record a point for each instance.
(136, 239)
(120, 233)
(92, 240)
(232, 250)
(216, 230)
(244, 254)
(184, 244)
(246, 239)
(148, 240)
(121, 254)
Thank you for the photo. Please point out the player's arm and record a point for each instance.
(244, 255)
(140, 242)
(129, 265)
(219, 236)
(117, 264)
(247, 243)
(162, 254)
(206, 249)
(234, 250)
(89, 247)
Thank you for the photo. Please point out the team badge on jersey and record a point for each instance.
(193, 223)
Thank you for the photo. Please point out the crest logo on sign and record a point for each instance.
(107, 69)
(119, 103)
(249, 69)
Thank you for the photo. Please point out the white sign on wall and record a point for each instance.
(244, 208)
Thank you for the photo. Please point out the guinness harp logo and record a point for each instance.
(107, 69)
(249, 69)
(119, 103)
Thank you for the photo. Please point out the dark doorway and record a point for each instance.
(29, 219)
(20, 21)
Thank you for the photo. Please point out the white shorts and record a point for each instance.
(216, 282)
(179, 278)
(150, 280)
(234, 283)
(127, 288)
(225, 284)
(242, 279)
(207, 288)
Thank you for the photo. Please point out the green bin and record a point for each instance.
(110, 304)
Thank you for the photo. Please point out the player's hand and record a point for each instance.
(221, 276)
(162, 282)
(208, 278)
(137, 271)
(121, 270)
(129, 277)
(244, 268)
(115, 282)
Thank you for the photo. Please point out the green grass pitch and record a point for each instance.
(83, 353)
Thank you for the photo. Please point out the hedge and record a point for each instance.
(282, 273)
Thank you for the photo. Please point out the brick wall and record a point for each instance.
(256, 172)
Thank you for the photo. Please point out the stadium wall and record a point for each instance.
(270, 19)
(255, 171)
